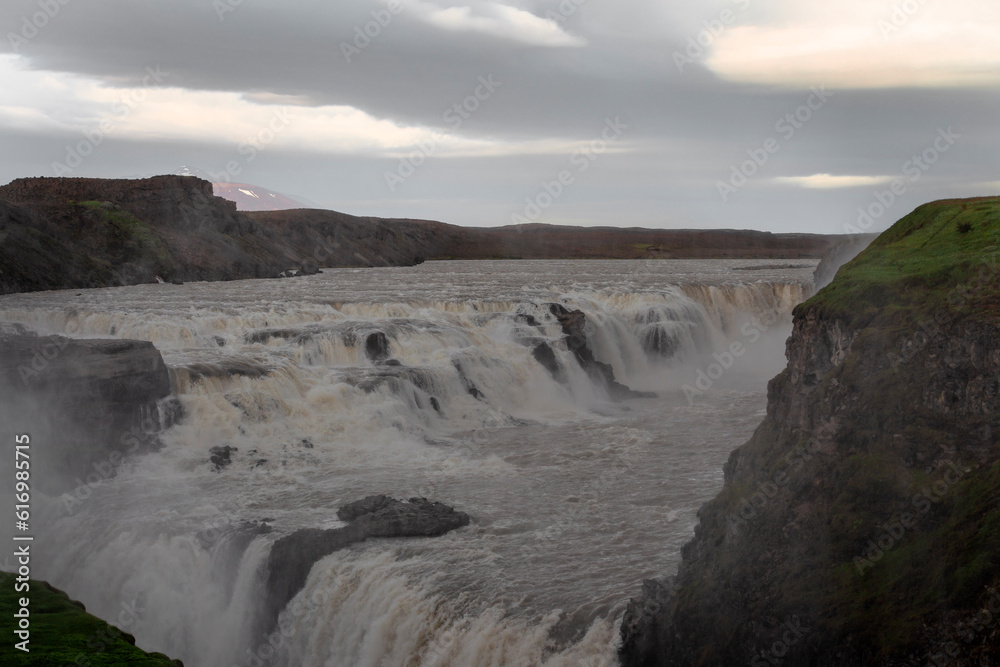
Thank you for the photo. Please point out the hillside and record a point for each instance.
(860, 525)
(58, 233)
(538, 241)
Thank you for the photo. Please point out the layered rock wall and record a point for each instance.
(860, 525)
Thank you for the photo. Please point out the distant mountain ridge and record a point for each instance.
(59, 233)
(255, 198)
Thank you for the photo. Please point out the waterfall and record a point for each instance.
(327, 397)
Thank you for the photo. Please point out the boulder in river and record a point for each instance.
(293, 556)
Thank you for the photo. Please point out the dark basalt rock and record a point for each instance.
(573, 323)
(62, 233)
(470, 386)
(359, 508)
(418, 517)
(377, 347)
(857, 526)
(546, 356)
(221, 456)
(293, 556)
(527, 319)
(92, 402)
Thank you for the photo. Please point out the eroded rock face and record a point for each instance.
(573, 323)
(293, 556)
(858, 526)
(377, 347)
(88, 403)
(63, 233)
(864, 477)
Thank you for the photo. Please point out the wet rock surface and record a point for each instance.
(293, 556)
(573, 323)
(221, 456)
(377, 347)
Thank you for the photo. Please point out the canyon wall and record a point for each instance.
(860, 525)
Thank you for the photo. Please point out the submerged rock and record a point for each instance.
(546, 356)
(221, 456)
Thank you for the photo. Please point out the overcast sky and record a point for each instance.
(782, 115)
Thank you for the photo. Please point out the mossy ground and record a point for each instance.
(944, 255)
(62, 633)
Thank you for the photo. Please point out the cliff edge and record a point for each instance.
(860, 525)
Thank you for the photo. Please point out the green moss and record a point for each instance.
(946, 560)
(945, 256)
(62, 633)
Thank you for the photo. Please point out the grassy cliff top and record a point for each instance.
(943, 256)
(63, 633)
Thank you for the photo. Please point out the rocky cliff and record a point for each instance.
(860, 525)
(58, 233)
(83, 232)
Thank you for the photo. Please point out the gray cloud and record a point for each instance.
(686, 130)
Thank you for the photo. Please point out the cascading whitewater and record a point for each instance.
(328, 395)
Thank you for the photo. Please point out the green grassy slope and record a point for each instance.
(945, 254)
(62, 633)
